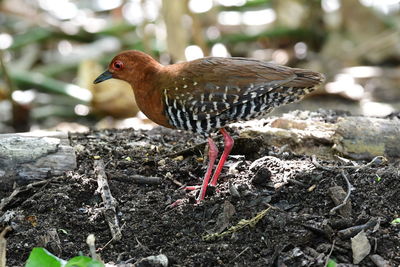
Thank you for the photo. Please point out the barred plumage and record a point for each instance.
(185, 115)
(205, 95)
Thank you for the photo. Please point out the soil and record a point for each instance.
(298, 229)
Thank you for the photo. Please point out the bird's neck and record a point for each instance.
(143, 79)
(148, 92)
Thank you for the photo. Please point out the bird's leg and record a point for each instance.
(212, 156)
(228, 144)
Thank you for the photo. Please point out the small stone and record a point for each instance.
(79, 148)
(234, 191)
(262, 177)
(153, 261)
(178, 158)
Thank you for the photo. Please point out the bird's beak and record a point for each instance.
(104, 76)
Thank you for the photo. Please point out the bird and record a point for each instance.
(205, 95)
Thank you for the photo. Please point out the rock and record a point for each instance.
(360, 247)
(153, 261)
(262, 176)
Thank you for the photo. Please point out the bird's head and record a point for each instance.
(130, 66)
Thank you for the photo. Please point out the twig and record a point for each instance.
(240, 225)
(3, 245)
(342, 168)
(170, 177)
(109, 241)
(110, 213)
(196, 149)
(363, 166)
(319, 166)
(352, 231)
(5, 201)
(369, 163)
(344, 160)
(127, 261)
(5, 231)
(90, 240)
(330, 253)
(145, 248)
(296, 182)
(347, 195)
(140, 179)
(240, 254)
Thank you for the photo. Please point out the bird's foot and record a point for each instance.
(176, 204)
(192, 187)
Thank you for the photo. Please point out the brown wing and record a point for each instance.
(209, 86)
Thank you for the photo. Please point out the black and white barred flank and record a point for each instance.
(184, 115)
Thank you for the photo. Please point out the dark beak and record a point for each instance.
(104, 76)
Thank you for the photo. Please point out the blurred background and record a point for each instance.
(52, 50)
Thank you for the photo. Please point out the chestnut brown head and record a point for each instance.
(128, 66)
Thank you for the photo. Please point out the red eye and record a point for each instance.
(118, 65)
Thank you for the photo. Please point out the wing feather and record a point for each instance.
(209, 86)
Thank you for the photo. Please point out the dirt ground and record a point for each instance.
(298, 230)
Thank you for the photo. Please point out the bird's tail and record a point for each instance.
(305, 82)
(307, 79)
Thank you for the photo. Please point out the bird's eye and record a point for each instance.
(118, 65)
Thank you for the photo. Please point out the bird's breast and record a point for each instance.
(153, 106)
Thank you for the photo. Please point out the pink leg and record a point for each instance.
(228, 144)
(212, 154)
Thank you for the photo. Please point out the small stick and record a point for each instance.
(369, 163)
(319, 166)
(347, 195)
(196, 149)
(352, 231)
(5, 231)
(90, 240)
(3, 245)
(108, 242)
(296, 182)
(330, 253)
(169, 176)
(5, 201)
(110, 213)
(139, 179)
(240, 254)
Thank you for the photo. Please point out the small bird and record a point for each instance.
(206, 94)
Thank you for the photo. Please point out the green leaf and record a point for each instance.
(40, 257)
(83, 261)
(331, 263)
(396, 221)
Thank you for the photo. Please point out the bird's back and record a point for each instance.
(206, 94)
